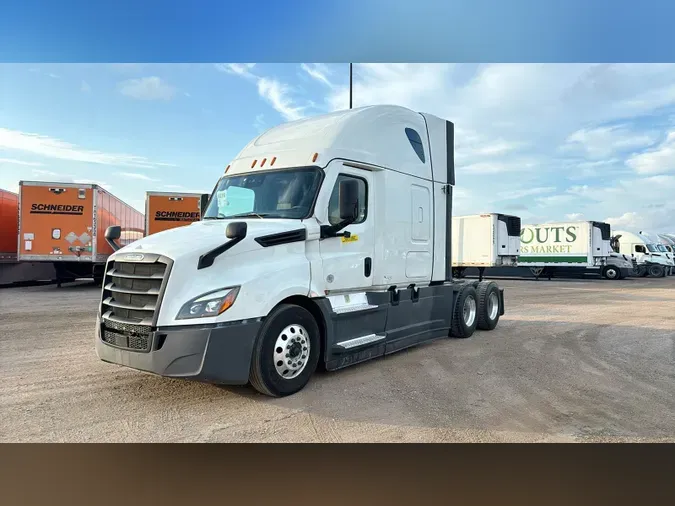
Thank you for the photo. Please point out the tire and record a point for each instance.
(611, 272)
(460, 327)
(281, 328)
(489, 305)
(656, 271)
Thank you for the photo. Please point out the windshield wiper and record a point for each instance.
(249, 215)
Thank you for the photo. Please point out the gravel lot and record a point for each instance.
(570, 361)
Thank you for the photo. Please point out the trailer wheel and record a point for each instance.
(286, 352)
(464, 317)
(488, 305)
(656, 271)
(611, 272)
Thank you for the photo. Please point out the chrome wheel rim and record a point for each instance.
(611, 273)
(469, 311)
(291, 351)
(493, 305)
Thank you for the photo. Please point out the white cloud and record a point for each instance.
(49, 147)
(85, 87)
(605, 142)
(277, 94)
(630, 220)
(525, 192)
(135, 175)
(656, 161)
(235, 68)
(50, 173)
(147, 88)
(273, 91)
(317, 72)
(574, 216)
(12, 161)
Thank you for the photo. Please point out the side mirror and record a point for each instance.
(203, 203)
(349, 199)
(236, 230)
(113, 234)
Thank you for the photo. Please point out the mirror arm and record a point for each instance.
(333, 230)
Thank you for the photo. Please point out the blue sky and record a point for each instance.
(544, 141)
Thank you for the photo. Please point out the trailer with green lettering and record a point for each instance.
(583, 247)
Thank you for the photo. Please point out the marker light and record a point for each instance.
(274, 159)
(254, 162)
(262, 164)
(316, 155)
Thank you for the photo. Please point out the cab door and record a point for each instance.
(347, 262)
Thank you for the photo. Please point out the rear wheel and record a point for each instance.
(286, 351)
(656, 271)
(611, 272)
(488, 305)
(464, 318)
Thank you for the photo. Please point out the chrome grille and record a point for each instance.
(130, 301)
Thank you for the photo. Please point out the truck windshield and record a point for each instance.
(661, 248)
(651, 248)
(285, 193)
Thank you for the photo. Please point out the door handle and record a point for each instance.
(367, 266)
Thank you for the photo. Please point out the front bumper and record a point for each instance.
(213, 354)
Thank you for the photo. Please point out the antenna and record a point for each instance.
(350, 84)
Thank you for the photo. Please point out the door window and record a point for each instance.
(334, 203)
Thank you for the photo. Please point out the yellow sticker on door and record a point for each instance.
(351, 238)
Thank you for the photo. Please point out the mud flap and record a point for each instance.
(501, 302)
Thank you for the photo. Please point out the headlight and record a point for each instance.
(209, 304)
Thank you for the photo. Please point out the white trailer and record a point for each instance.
(570, 248)
(327, 241)
(483, 241)
(650, 261)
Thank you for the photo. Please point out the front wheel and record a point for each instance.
(611, 272)
(286, 351)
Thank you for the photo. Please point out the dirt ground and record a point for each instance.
(570, 361)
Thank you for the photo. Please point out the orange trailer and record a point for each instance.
(65, 223)
(11, 271)
(167, 210)
(9, 225)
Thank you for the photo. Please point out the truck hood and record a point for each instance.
(201, 237)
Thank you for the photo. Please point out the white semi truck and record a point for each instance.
(326, 242)
(669, 244)
(663, 247)
(569, 248)
(650, 261)
(484, 241)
